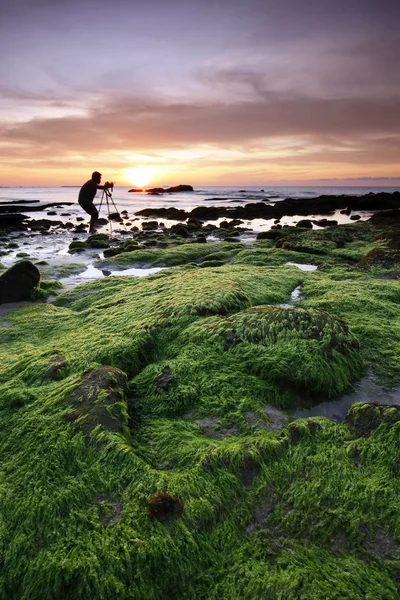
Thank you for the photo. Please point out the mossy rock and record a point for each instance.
(100, 399)
(384, 258)
(99, 244)
(79, 246)
(363, 419)
(309, 243)
(309, 348)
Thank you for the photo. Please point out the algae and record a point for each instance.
(309, 511)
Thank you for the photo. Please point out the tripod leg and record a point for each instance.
(117, 211)
(109, 220)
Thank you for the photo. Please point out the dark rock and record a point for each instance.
(248, 471)
(305, 223)
(155, 191)
(381, 257)
(272, 234)
(362, 419)
(181, 230)
(164, 379)
(325, 223)
(56, 364)
(201, 239)
(99, 399)
(194, 224)
(163, 506)
(171, 213)
(115, 217)
(19, 281)
(136, 190)
(149, 225)
(180, 188)
(355, 218)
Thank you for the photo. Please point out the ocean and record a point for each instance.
(202, 196)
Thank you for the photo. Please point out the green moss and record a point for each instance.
(177, 255)
(310, 511)
(45, 289)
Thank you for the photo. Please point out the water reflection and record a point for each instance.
(336, 410)
(92, 273)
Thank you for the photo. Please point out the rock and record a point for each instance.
(325, 222)
(355, 218)
(362, 419)
(272, 234)
(136, 190)
(381, 257)
(19, 281)
(79, 246)
(163, 506)
(181, 230)
(171, 213)
(115, 217)
(194, 224)
(100, 399)
(180, 188)
(149, 225)
(305, 223)
(56, 364)
(164, 379)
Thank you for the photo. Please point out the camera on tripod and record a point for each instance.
(109, 185)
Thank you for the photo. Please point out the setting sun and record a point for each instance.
(139, 176)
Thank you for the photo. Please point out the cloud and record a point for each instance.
(150, 125)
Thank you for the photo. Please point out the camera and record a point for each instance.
(109, 185)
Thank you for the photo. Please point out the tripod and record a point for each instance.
(108, 198)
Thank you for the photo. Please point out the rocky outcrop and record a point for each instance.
(18, 282)
(170, 190)
(323, 205)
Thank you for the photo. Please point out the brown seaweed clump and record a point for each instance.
(163, 506)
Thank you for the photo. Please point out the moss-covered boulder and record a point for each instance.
(364, 418)
(19, 281)
(100, 399)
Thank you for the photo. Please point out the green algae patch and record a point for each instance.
(370, 306)
(177, 255)
(229, 367)
(45, 289)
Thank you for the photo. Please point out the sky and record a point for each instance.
(211, 92)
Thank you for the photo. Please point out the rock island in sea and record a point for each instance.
(148, 445)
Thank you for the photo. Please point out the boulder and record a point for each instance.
(180, 188)
(19, 281)
(181, 230)
(362, 418)
(149, 225)
(306, 223)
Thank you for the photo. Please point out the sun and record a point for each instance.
(139, 176)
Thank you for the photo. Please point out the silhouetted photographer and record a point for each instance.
(87, 194)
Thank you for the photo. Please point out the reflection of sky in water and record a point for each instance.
(92, 273)
(336, 410)
(302, 266)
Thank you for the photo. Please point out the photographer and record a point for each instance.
(87, 194)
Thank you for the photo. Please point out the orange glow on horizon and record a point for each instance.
(139, 176)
